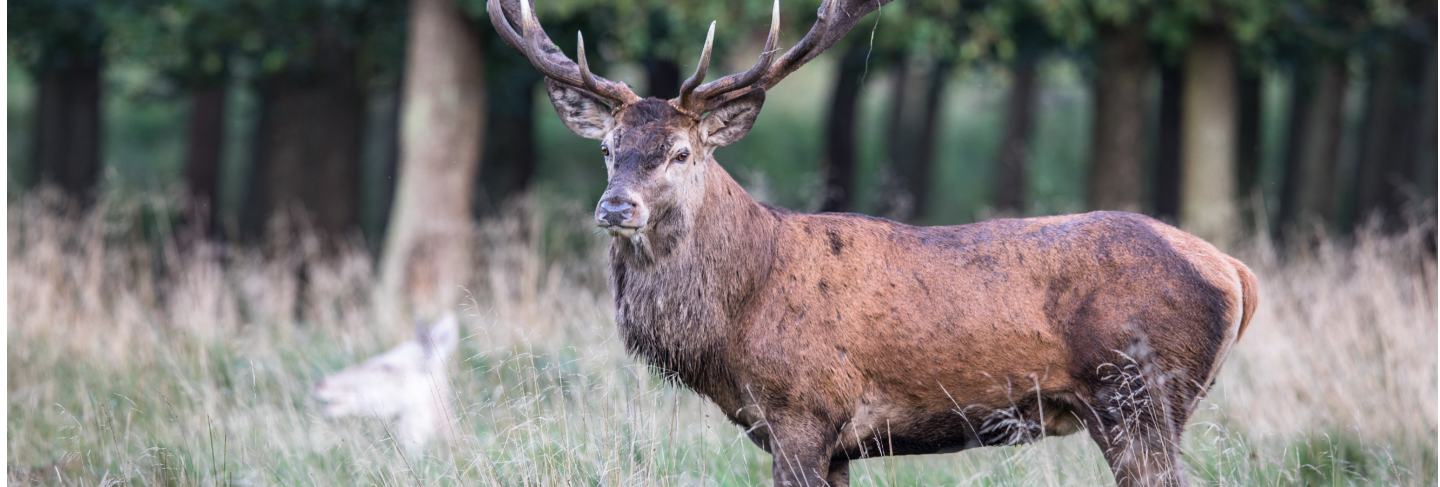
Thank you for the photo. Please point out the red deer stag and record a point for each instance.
(836, 337)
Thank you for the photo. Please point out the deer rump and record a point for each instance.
(892, 339)
(831, 337)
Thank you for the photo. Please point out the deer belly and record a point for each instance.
(882, 429)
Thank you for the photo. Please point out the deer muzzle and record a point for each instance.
(621, 214)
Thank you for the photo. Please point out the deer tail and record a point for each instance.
(1249, 295)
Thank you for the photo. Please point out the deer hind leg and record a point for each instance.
(1134, 418)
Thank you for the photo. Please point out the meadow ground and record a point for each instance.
(194, 365)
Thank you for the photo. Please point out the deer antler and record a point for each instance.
(546, 57)
(833, 19)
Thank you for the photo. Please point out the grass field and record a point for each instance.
(193, 366)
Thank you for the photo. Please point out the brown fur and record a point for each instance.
(833, 337)
(1251, 298)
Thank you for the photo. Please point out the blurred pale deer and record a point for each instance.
(407, 386)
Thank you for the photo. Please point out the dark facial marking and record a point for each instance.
(642, 139)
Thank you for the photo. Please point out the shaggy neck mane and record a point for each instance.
(677, 286)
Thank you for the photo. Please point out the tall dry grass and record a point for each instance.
(184, 364)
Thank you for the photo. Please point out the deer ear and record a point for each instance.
(441, 339)
(584, 114)
(730, 122)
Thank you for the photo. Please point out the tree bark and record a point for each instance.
(1388, 155)
(896, 199)
(1248, 142)
(897, 130)
(1011, 184)
(509, 167)
(1426, 138)
(662, 77)
(204, 148)
(914, 124)
(1117, 132)
(1207, 198)
(926, 146)
(427, 252)
(382, 161)
(662, 73)
(1309, 197)
(67, 127)
(1165, 183)
(839, 191)
(309, 142)
(1302, 90)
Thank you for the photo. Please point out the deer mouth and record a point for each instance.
(330, 408)
(332, 401)
(624, 231)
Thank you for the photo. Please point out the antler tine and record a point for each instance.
(533, 32)
(585, 76)
(502, 25)
(688, 87)
(532, 42)
(707, 93)
(768, 52)
(833, 20)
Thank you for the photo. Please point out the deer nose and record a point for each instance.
(614, 211)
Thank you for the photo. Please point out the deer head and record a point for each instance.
(407, 385)
(658, 152)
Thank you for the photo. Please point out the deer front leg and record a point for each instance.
(801, 449)
(839, 472)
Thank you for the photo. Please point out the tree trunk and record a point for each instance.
(1117, 149)
(1207, 197)
(67, 126)
(427, 251)
(1388, 157)
(920, 178)
(1248, 143)
(662, 77)
(840, 130)
(203, 152)
(662, 73)
(1011, 185)
(1302, 90)
(897, 131)
(1165, 183)
(309, 145)
(1314, 149)
(509, 167)
(1425, 137)
(895, 199)
(381, 161)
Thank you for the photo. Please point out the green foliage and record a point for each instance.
(1168, 23)
(45, 33)
(1005, 29)
(199, 41)
(629, 30)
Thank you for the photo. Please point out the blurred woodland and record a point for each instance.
(213, 203)
(1225, 116)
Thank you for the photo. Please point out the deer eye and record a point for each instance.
(605, 150)
(682, 156)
